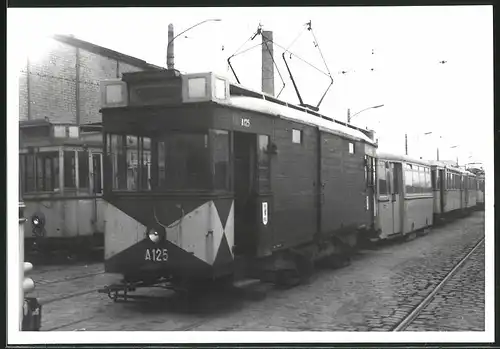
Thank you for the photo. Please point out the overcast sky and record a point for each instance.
(453, 100)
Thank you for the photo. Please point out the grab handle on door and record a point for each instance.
(393, 195)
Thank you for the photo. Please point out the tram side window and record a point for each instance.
(428, 187)
(263, 163)
(83, 169)
(96, 164)
(42, 175)
(69, 169)
(369, 171)
(434, 180)
(409, 178)
(30, 173)
(382, 178)
(116, 157)
(416, 179)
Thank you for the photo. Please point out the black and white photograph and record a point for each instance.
(250, 174)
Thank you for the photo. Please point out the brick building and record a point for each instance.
(62, 86)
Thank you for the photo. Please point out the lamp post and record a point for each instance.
(171, 38)
(454, 147)
(350, 117)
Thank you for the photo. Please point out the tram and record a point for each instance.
(480, 191)
(205, 179)
(405, 197)
(60, 169)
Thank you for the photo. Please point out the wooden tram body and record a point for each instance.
(61, 185)
(229, 182)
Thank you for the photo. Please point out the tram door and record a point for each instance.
(245, 234)
(395, 177)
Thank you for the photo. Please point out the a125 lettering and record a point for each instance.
(245, 122)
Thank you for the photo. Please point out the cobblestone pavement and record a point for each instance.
(374, 293)
(459, 305)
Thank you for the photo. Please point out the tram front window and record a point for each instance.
(175, 161)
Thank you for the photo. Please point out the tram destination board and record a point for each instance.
(157, 89)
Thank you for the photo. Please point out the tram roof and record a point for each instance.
(285, 112)
(402, 158)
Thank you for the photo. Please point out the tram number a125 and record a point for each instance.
(156, 254)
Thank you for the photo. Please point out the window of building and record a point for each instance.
(296, 136)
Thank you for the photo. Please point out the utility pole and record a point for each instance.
(406, 144)
(348, 115)
(267, 63)
(437, 153)
(170, 47)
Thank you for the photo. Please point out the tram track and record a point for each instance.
(69, 278)
(408, 319)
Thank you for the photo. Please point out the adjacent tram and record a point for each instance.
(404, 195)
(207, 180)
(60, 168)
(454, 190)
(480, 191)
(30, 310)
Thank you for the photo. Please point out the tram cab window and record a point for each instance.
(130, 161)
(219, 140)
(170, 161)
(183, 161)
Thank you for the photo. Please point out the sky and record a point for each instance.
(403, 45)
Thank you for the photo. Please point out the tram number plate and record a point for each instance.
(156, 254)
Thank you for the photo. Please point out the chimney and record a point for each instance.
(170, 47)
(267, 63)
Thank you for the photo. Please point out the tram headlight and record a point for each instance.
(155, 235)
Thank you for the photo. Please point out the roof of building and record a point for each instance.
(103, 51)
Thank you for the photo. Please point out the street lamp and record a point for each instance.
(453, 147)
(170, 49)
(349, 117)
